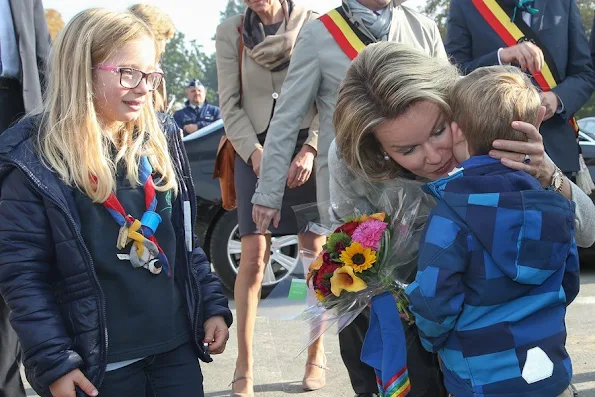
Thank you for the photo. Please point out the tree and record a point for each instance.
(586, 7)
(438, 11)
(181, 63)
(54, 21)
(233, 7)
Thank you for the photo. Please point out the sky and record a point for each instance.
(197, 19)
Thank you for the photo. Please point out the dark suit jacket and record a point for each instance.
(593, 43)
(33, 38)
(472, 43)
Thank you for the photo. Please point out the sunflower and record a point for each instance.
(358, 257)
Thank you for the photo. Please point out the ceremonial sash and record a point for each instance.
(512, 33)
(347, 36)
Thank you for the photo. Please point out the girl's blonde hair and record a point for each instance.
(381, 84)
(71, 140)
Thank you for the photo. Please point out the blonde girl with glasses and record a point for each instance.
(108, 291)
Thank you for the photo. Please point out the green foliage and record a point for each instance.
(182, 62)
(233, 7)
(336, 238)
(438, 11)
(587, 8)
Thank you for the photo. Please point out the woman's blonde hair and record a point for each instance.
(381, 84)
(71, 140)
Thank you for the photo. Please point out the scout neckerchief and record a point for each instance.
(145, 251)
(349, 38)
(514, 30)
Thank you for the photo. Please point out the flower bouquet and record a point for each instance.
(366, 262)
(354, 259)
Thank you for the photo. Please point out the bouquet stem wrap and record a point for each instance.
(385, 348)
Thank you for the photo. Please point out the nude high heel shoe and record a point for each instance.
(246, 378)
(311, 384)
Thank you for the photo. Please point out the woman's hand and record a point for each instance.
(216, 334)
(262, 217)
(512, 153)
(255, 159)
(66, 385)
(301, 167)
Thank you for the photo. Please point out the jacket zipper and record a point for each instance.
(183, 162)
(81, 244)
(194, 288)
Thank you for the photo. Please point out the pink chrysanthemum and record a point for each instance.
(369, 233)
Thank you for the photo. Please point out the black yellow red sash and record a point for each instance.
(513, 32)
(347, 36)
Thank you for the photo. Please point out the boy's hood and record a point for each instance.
(517, 222)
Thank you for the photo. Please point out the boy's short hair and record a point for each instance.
(488, 100)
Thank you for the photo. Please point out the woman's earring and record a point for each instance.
(386, 157)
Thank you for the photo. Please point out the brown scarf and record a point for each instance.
(274, 51)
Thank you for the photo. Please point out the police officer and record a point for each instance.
(198, 113)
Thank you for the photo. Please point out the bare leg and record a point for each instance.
(313, 243)
(246, 295)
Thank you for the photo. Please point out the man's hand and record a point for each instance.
(551, 103)
(301, 167)
(190, 128)
(216, 334)
(526, 54)
(65, 386)
(256, 158)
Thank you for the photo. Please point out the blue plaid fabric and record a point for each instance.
(498, 265)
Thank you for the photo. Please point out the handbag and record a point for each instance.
(226, 154)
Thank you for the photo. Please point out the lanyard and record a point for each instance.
(144, 229)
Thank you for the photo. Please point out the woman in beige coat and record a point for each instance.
(253, 53)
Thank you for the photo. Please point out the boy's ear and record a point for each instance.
(457, 133)
(540, 117)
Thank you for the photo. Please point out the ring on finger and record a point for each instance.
(527, 159)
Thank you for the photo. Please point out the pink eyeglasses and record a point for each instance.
(131, 77)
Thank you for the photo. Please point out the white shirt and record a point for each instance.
(9, 50)
(527, 18)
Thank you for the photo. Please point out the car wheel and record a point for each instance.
(225, 250)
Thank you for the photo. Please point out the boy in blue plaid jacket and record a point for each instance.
(498, 263)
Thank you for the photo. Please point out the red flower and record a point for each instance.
(322, 283)
(339, 247)
(348, 228)
(319, 280)
(326, 258)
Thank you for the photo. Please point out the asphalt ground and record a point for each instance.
(279, 367)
